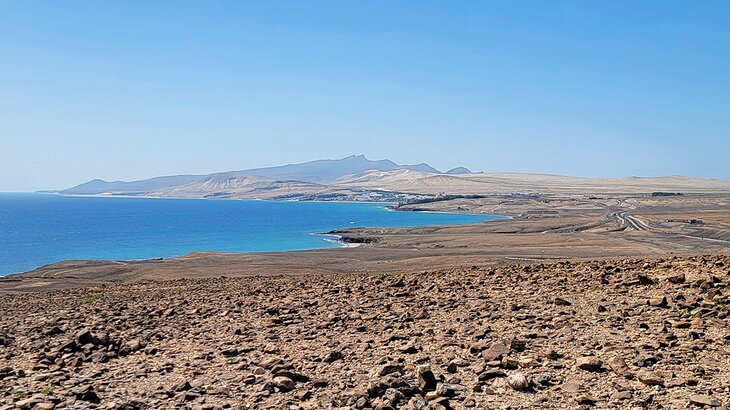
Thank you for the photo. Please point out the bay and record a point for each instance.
(37, 229)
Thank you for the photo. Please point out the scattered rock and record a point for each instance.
(587, 400)
(659, 301)
(28, 403)
(86, 393)
(561, 302)
(704, 400)
(334, 356)
(495, 352)
(390, 369)
(491, 374)
(426, 379)
(284, 383)
(650, 379)
(182, 386)
(589, 363)
(677, 279)
(618, 365)
(645, 280)
(518, 381)
(84, 337)
(452, 339)
(621, 396)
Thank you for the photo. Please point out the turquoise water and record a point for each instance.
(39, 229)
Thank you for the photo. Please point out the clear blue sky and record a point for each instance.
(134, 89)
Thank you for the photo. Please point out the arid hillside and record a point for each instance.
(357, 178)
(632, 333)
(503, 183)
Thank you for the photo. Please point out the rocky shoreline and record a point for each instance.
(634, 333)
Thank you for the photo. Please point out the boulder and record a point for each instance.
(495, 352)
(677, 279)
(283, 383)
(426, 379)
(618, 365)
(650, 379)
(589, 363)
(518, 381)
(391, 368)
(84, 337)
(704, 400)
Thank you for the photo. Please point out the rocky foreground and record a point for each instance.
(609, 334)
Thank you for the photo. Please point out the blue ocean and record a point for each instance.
(37, 229)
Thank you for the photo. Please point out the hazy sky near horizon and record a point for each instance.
(134, 89)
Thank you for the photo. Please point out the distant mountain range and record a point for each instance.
(358, 178)
(320, 172)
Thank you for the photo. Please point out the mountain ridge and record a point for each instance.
(357, 178)
(320, 172)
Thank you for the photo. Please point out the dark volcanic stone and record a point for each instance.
(426, 379)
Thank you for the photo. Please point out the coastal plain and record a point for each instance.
(540, 229)
(577, 301)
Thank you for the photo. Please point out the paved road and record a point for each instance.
(630, 222)
(626, 221)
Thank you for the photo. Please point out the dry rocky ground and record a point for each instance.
(643, 333)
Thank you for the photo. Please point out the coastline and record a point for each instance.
(534, 231)
(389, 205)
(334, 238)
(193, 198)
(327, 238)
